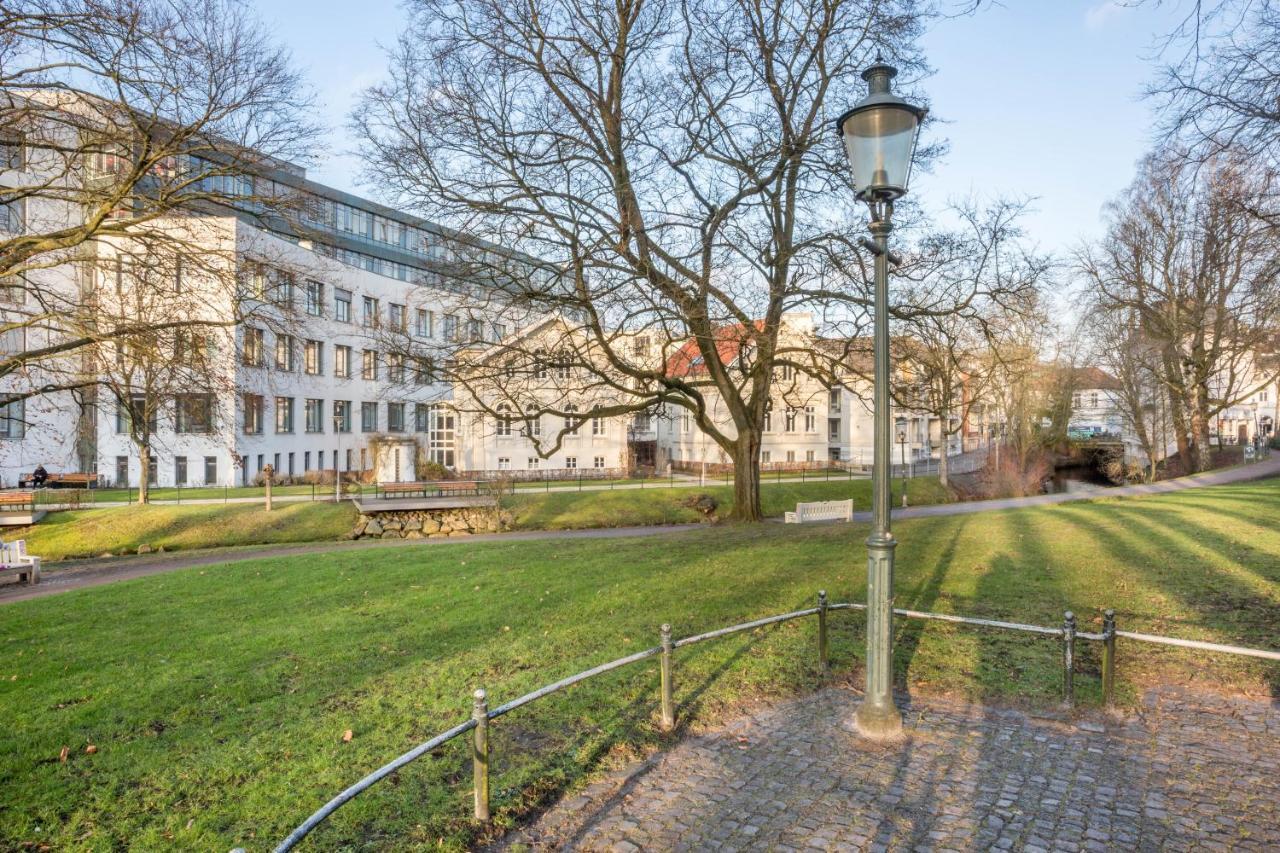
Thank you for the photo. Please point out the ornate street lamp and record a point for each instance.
(879, 136)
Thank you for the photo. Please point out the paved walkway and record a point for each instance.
(77, 574)
(66, 576)
(1188, 772)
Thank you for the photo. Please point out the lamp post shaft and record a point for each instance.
(877, 717)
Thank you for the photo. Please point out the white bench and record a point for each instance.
(14, 556)
(821, 511)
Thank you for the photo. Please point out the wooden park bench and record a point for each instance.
(441, 487)
(17, 500)
(821, 511)
(14, 557)
(63, 481)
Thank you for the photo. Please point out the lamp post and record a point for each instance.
(337, 476)
(879, 135)
(902, 456)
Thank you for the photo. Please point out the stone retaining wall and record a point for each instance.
(430, 523)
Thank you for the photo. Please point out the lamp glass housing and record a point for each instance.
(879, 141)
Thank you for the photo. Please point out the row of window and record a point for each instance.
(253, 354)
(788, 422)
(766, 456)
(532, 426)
(532, 463)
(340, 418)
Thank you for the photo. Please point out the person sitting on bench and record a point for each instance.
(39, 476)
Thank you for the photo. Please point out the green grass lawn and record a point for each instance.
(578, 510)
(217, 697)
(118, 530)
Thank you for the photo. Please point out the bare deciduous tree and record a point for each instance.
(115, 117)
(1190, 257)
(673, 169)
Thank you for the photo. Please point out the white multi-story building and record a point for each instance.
(309, 382)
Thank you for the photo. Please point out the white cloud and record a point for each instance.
(1099, 15)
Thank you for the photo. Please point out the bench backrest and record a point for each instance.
(825, 510)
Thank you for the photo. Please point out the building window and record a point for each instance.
(290, 463)
(571, 420)
(1093, 400)
(368, 417)
(284, 353)
(193, 413)
(370, 312)
(395, 367)
(342, 361)
(571, 462)
(833, 400)
(211, 470)
(252, 414)
(342, 415)
(315, 299)
(313, 358)
(475, 330)
(306, 460)
(315, 415)
(450, 327)
(284, 414)
(397, 316)
(791, 456)
(810, 419)
(503, 426)
(179, 470)
(833, 429)
(599, 462)
(532, 463)
(122, 470)
(533, 426)
(790, 423)
(425, 327)
(252, 354)
(764, 456)
(504, 463)
(342, 305)
(13, 419)
(421, 417)
(395, 417)
(686, 423)
(808, 456)
(597, 425)
(369, 365)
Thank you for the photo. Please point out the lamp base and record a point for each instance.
(878, 722)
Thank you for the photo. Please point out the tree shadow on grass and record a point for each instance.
(1152, 541)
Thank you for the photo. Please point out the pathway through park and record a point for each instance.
(77, 574)
(1186, 771)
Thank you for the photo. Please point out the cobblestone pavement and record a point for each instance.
(1189, 771)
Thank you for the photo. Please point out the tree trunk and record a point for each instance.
(1201, 451)
(943, 464)
(746, 478)
(144, 481)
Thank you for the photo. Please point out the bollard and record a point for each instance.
(823, 663)
(1068, 658)
(480, 756)
(1109, 658)
(668, 704)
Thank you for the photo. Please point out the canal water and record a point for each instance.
(1077, 479)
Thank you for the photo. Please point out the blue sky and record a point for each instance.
(1040, 98)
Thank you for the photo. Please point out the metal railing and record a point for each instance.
(481, 714)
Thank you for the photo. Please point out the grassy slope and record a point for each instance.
(122, 529)
(217, 697)
(91, 532)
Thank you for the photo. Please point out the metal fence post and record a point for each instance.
(480, 756)
(668, 704)
(822, 631)
(1109, 658)
(1068, 658)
